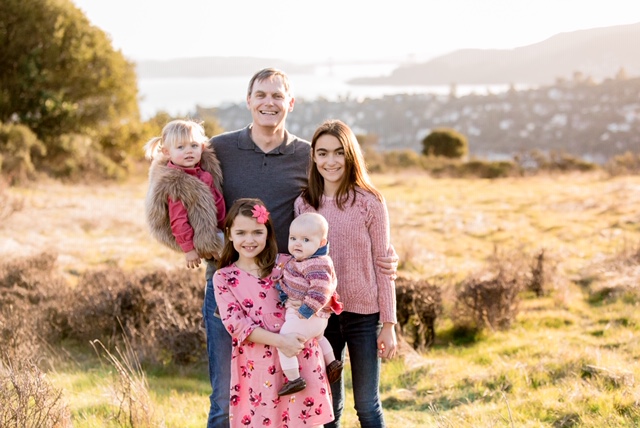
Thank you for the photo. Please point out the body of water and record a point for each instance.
(179, 96)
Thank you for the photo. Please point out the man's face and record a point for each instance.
(269, 103)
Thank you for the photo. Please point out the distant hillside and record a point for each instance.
(598, 53)
(214, 67)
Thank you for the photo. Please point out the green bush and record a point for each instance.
(445, 142)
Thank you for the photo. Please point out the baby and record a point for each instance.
(308, 287)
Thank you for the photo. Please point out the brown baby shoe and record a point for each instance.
(292, 387)
(334, 371)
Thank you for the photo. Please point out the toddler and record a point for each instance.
(184, 203)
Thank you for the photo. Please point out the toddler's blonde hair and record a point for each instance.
(176, 131)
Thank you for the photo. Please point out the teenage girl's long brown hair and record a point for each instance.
(266, 260)
(355, 170)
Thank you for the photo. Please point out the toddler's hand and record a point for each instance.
(193, 259)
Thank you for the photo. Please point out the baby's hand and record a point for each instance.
(193, 259)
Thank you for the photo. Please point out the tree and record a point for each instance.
(59, 75)
(445, 142)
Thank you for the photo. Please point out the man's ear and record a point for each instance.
(292, 101)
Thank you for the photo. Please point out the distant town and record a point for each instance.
(578, 116)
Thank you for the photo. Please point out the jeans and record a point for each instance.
(359, 333)
(219, 351)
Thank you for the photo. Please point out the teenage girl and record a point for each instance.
(250, 309)
(184, 203)
(340, 189)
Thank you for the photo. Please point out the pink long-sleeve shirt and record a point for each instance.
(359, 234)
(180, 226)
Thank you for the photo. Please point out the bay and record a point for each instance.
(179, 96)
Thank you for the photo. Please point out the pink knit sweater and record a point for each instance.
(359, 234)
(311, 283)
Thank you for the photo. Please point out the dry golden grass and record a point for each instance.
(449, 227)
(88, 226)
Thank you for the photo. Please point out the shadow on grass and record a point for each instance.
(458, 336)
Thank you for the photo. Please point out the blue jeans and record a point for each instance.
(359, 333)
(219, 351)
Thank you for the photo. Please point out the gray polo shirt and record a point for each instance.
(277, 177)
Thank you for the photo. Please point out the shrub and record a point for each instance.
(624, 164)
(487, 302)
(104, 304)
(419, 304)
(490, 298)
(552, 161)
(159, 312)
(542, 275)
(30, 288)
(445, 142)
(18, 145)
(78, 157)
(28, 398)
(488, 169)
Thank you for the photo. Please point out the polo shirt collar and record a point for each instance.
(246, 143)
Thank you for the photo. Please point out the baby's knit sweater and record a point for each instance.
(359, 234)
(311, 282)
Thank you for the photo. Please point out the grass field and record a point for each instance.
(567, 361)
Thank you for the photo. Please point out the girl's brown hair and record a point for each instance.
(266, 260)
(355, 170)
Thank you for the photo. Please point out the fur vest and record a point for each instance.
(195, 195)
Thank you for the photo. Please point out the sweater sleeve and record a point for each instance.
(318, 276)
(180, 226)
(378, 225)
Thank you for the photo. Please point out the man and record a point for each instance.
(262, 160)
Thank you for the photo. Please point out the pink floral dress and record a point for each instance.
(246, 302)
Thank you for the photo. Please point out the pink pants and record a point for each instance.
(309, 328)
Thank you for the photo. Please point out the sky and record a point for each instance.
(306, 31)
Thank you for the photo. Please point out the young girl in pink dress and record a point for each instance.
(252, 313)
